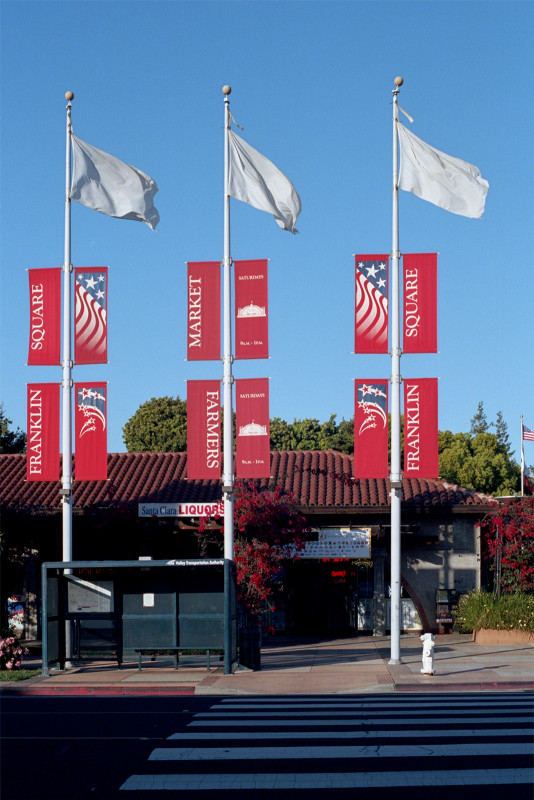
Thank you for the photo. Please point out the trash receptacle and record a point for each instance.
(250, 648)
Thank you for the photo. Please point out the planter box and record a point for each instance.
(502, 637)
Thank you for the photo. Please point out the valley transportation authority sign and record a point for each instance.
(170, 510)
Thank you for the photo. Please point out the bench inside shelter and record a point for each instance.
(176, 651)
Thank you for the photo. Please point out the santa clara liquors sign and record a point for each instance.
(170, 510)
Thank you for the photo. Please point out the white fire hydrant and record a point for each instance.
(428, 653)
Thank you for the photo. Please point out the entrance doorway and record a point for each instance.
(330, 597)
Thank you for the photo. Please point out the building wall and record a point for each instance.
(451, 562)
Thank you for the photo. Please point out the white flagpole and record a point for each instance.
(522, 461)
(228, 438)
(228, 425)
(395, 475)
(66, 479)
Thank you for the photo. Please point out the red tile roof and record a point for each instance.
(317, 479)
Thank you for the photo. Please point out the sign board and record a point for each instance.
(339, 543)
(170, 510)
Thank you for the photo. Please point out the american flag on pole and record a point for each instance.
(371, 328)
(90, 324)
(528, 435)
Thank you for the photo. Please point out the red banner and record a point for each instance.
(203, 311)
(371, 317)
(91, 432)
(45, 317)
(421, 428)
(203, 430)
(371, 429)
(90, 315)
(253, 447)
(251, 309)
(420, 307)
(42, 438)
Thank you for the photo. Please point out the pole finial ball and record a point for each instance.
(69, 96)
(226, 89)
(398, 81)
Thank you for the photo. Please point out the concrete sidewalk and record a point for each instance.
(298, 666)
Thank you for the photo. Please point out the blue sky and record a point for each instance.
(312, 86)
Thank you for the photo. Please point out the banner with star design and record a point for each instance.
(371, 316)
(251, 309)
(45, 317)
(421, 428)
(420, 303)
(371, 429)
(90, 315)
(91, 432)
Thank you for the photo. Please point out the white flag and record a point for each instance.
(255, 180)
(106, 184)
(446, 181)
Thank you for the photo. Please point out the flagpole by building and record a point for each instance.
(228, 439)
(395, 474)
(522, 460)
(66, 478)
(228, 423)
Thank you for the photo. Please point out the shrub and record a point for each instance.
(11, 652)
(511, 611)
(508, 536)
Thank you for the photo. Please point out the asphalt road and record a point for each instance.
(461, 746)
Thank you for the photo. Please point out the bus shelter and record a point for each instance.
(117, 608)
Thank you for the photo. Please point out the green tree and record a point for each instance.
(501, 432)
(281, 435)
(477, 462)
(158, 426)
(310, 434)
(343, 439)
(10, 441)
(479, 423)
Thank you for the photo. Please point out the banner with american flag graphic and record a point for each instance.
(91, 431)
(371, 428)
(371, 317)
(90, 315)
(421, 428)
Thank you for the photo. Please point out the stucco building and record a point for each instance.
(339, 585)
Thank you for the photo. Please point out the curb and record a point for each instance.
(100, 691)
(519, 686)
(162, 691)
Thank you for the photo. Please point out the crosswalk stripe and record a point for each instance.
(326, 780)
(365, 714)
(422, 750)
(357, 721)
(417, 705)
(409, 733)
